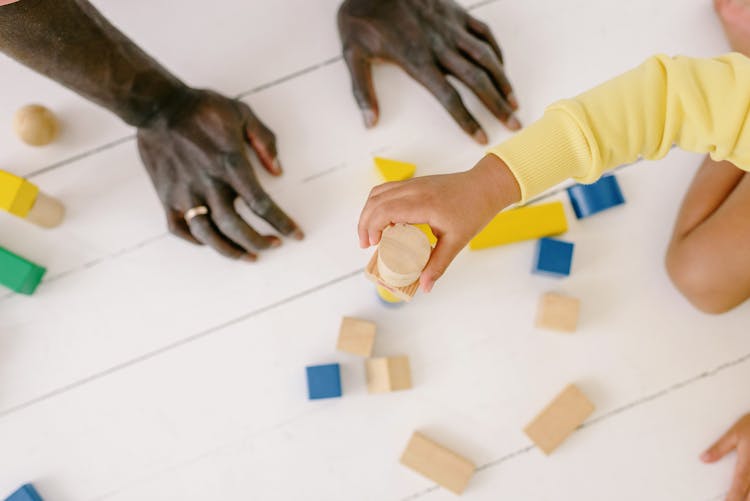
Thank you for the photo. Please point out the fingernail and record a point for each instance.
(273, 241)
(370, 117)
(276, 166)
(250, 258)
(298, 234)
(705, 456)
(512, 101)
(513, 123)
(480, 137)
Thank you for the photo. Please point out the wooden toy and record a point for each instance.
(35, 125)
(323, 381)
(589, 199)
(388, 298)
(439, 464)
(559, 419)
(402, 254)
(27, 492)
(394, 170)
(19, 274)
(427, 230)
(558, 312)
(553, 257)
(23, 199)
(356, 336)
(388, 374)
(524, 223)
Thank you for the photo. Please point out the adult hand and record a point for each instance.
(196, 154)
(456, 206)
(429, 39)
(737, 438)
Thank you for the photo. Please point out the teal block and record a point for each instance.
(25, 493)
(19, 274)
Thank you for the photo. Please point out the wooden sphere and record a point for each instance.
(35, 125)
(403, 253)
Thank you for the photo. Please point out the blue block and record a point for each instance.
(323, 381)
(588, 199)
(25, 493)
(553, 257)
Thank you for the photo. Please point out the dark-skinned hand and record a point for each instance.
(197, 155)
(429, 39)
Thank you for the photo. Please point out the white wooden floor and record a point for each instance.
(146, 369)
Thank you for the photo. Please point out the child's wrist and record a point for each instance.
(499, 182)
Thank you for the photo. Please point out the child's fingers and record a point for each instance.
(721, 447)
(741, 481)
(444, 253)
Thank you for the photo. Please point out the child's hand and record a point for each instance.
(738, 437)
(456, 206)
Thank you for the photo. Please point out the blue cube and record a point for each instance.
(25, 493)
(589, 199)
(553, 257)
(323, 381)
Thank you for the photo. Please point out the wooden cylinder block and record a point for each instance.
(402, 254)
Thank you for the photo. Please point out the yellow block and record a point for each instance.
(387, 295)
(17, 195)
(393, 170)
(520, 224)
(427, 231)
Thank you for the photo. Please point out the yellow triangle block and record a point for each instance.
(393, 170)
(17, 195)
(525, 223)
(427, 231)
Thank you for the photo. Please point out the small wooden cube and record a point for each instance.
(388, 374)
(438, 463)
(356, 336)
(558, 312)
(559, 419)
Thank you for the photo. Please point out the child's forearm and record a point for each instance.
(699, 104)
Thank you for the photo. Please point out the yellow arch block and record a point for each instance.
(17, 195)
(394, 170)
(524, 223)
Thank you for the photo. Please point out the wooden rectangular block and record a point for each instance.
(439, 464)
(402, 293)
(524, 223)
(17, 195)
(558, 312)
(19, 274)
(356, 336)
(559, 419)
(388, 374)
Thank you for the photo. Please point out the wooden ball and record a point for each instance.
(35, 125)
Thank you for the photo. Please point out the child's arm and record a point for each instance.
(738, 437)
(699, 104)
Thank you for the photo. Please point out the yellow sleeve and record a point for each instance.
(700, 105)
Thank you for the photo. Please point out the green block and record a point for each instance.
(19, 274)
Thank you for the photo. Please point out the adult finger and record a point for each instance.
(243, 181)
(203, 229)
(482, 54)
(741, 480)
(220, 200)
(178, 226)
(442, 256)
(479, 82)
(363, 89)
(483, 31)
(721, 447)
(433, 79)
(261, 140)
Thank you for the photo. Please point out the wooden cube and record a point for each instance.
(439, 464)
(559, 419)
(558, 312)
(388, 374)
(356, 336)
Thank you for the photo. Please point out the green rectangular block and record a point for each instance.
(19, 274)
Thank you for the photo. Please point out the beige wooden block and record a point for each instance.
(35, 125)
(402, 293)
(356, 336)
(439, 464)
(559, 419)
(403, 252)
(558, 312)
(46, 212)
(388, 374)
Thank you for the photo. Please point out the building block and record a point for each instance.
(387, 297)
(558, 312)
(356, 336)
(323, 381)
(35, 125)
(427, 230)
(524, 223)
(399, 293)
(23, 199)
(19, 274)
(553, 257)
(559, 419)
(439, 464)
(388, 374)
(403, 252)
(589, 199)
(27, 492)
(394, 170)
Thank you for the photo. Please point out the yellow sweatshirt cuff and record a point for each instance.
(546, 153)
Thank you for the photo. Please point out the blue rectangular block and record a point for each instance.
(25, 493)
(553, 257)
(323, 381)
(589, 199)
